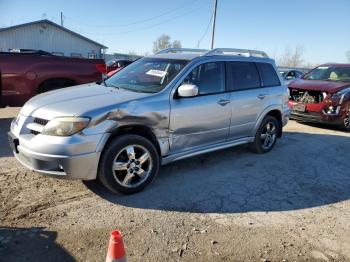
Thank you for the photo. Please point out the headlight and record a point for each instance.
(341, 93)
(65, 126)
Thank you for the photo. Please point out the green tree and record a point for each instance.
(163, 42)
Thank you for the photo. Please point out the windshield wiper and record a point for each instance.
(117, 87)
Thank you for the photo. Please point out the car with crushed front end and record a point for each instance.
(322, 96)
(165, 107)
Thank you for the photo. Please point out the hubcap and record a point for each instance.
(268, 135)
(347, 121)
(132, 166)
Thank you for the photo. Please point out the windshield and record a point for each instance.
(147, 75)
(329, 73)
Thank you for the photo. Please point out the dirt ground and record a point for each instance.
(292, 204)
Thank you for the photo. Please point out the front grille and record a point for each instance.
(34, 132)
(40, 121)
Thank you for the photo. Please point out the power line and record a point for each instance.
(205, 31)
(154, 25)
(140, 21)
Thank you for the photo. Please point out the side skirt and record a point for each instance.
(198, 151)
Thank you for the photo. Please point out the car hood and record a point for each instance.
(77, 101)
(316, 85)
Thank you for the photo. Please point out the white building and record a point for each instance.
(50, 37)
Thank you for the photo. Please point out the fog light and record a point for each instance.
(60, 167)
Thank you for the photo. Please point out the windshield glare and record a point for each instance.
(329, 73)
(148, 75)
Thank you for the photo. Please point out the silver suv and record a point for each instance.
(175, 104)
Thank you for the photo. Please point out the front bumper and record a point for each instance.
(82, 167)
(314, 117)
(73, 157)
(317, 113)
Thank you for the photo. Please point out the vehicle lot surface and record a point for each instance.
(292, 204)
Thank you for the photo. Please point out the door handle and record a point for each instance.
(261, 96)
(223, 102)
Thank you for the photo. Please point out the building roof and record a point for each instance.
(56, 25)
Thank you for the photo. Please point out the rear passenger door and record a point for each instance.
(247, 96)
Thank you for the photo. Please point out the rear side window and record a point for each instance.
(268, 75)
(242, 76)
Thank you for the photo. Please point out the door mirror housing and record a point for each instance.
(187, 90)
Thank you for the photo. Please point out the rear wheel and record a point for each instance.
(128, 164)
(266, 135)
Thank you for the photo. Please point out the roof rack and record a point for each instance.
(236, 52)
(182, 50)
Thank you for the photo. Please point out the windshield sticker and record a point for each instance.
(158, 73)
(322, 67)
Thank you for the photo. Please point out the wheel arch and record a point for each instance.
(273, 111)
(65, 81)
(140, 130)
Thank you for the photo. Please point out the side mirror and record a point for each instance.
(187, 90)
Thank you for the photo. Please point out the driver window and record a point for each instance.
(208, 77)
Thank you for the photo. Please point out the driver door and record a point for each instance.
(204, 119)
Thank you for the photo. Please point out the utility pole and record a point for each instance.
(62, 19)
(214, 20)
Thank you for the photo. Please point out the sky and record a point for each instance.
(320, 27)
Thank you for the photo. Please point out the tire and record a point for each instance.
(259, 146)
(121, 165)
(346, 123)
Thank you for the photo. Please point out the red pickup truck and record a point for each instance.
(23, 75)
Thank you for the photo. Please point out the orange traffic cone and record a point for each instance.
(116, 251)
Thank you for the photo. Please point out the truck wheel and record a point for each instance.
(128, 164)
(346, 122)
(266, 135)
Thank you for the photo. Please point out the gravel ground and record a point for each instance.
(291, 204)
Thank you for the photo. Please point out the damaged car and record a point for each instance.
(322, 96)
(162, 108)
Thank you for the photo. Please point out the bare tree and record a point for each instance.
(177, 44)
(291, 57)
(347, 54)
(164, 42)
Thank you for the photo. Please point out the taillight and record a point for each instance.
(101, 68)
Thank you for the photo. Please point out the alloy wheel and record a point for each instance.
(268, 135)
(132, 166)
(347, 121)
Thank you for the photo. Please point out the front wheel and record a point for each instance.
(266, 135)
(346, 122)
(128, 164)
